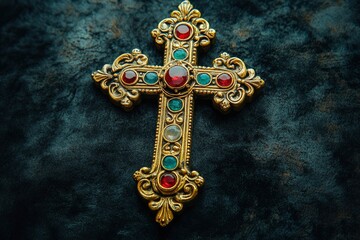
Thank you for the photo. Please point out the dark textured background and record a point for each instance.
(285, 167)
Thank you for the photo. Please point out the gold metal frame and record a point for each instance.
(245, 83)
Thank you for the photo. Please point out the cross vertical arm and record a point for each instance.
(169, 183)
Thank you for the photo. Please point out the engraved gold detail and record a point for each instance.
(244, 85)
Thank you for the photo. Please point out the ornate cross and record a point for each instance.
(169, 182)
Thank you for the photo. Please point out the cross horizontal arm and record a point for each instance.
(144, 79)
(127, 78)
(229, 82)
(206, 80)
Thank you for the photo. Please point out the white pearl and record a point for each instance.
(172, 133)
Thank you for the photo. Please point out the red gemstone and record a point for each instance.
(168, 180)
(224, 80)
(176, 76)
(129, 77)
(183, 31)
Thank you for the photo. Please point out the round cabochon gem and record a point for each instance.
(172, 133)
(151, 78)
(175, 105)
(168, 180)
(129, 77)
(176, 76)
(183, 31)
(169, 163)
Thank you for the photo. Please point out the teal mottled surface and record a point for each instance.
(284, 167)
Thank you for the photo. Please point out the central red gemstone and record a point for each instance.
(183, 32)
(129, 77)
(176, 77)
(224, 80)
(168, 180)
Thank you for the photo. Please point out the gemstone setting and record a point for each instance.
(151, 78)
(183, 31)
(203, 79)
(129, 77)
(168, 180)
(176, 77)
(224, 80)
(169, 163)
(175, 105)
(180, 54)
(172, 133)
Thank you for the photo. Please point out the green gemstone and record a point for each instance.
(151, 78)
(175, 104)
(169, 163)
(203, 79)
(180, 54)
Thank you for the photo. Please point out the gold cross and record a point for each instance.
(169, 182)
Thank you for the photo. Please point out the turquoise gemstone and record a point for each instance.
(169, 163)
(175, 105)
(180, 54)
(151, 78)
(203, 79)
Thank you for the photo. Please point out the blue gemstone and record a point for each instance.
(203, 79)
(169, 163)
(180, 54)
(151, 78)
(175, 104)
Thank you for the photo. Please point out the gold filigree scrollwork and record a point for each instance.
(204, 33)
(123, 97)
(186, 13)
(177, 44)
(103, 77)
(251, 83)
(187, 190)
(191, 182)
(165, 207)
(246, 83)
(171, 148)
(164, 30)
(129, 59)
(143, 177)
(177, 118)
(234, 64)
(107, 79)
(117, 93)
